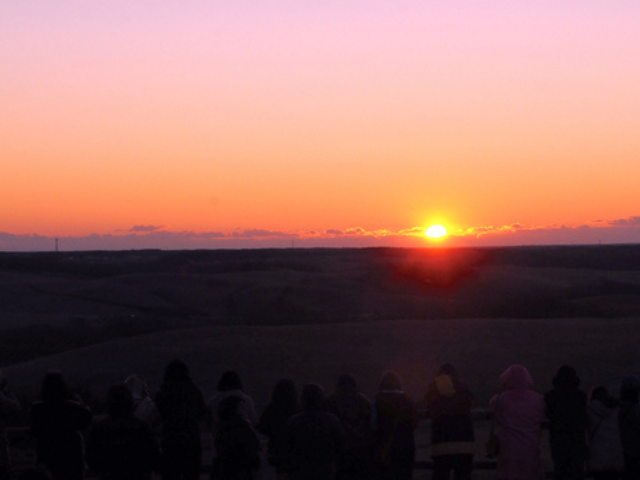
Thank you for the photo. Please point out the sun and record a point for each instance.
(436, 231)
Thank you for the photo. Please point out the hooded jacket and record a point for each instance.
(519, 412)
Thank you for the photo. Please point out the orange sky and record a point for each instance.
(228, 117)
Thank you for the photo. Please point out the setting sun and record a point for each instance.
(436, 231)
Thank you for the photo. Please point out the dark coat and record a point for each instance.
(273, 423)
(9, 406)
(629, 423)
(395, 419)
(354, 412)
(181, 407)
(315, 439)
(567, 414)
(237, 450)
(59, 443)
(448, 404)
(122, 449)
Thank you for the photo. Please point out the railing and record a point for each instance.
(23, 452)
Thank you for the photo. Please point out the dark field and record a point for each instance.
(312, 314)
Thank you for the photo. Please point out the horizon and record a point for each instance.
(98, 244)
(246, 125)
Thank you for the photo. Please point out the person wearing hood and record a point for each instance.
(519, 413)
(603, 436)
(448, 403)
(353, 410)
(566, 407)
(629, 424)
(181, 407)
(9, 406)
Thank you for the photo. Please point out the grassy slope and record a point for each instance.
(601, 349)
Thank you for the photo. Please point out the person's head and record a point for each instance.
(630, 389)
(54, 388)
(599, 393)
(119, 401)
(230, 380)
(346, 384)
(313, 397)
(138, 387)
(390, 381)
(285, 395)
(566, 376)
(230, 408)
(176, 371)
(448, 369)
(516, 377)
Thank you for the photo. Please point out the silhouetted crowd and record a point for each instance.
(340, 436)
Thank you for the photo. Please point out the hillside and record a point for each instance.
(602, 350)
(311, 314)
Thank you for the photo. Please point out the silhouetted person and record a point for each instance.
(273, 423)
(519, 413)
(144, 407)
(603, 436)
(236, 443)
(315, 438)
(394, 419)
(181, 408)
(9, 406)
(56, 423)
(629, 423)
(448, 403)
(567, 414)
(122, 447)
(230, 385)
(354, 412)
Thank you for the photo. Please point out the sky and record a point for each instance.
(249, 124)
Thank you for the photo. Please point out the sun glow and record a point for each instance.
(436, 231)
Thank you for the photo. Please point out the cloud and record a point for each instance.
(626, 230)
(209, 235)
(610, 231)
(146, 228)
(492, 230)
(625, 222)
(259, 233)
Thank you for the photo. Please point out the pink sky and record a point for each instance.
(208, 124)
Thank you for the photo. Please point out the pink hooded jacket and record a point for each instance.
(519, 413)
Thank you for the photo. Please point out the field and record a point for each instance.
(313, 314)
